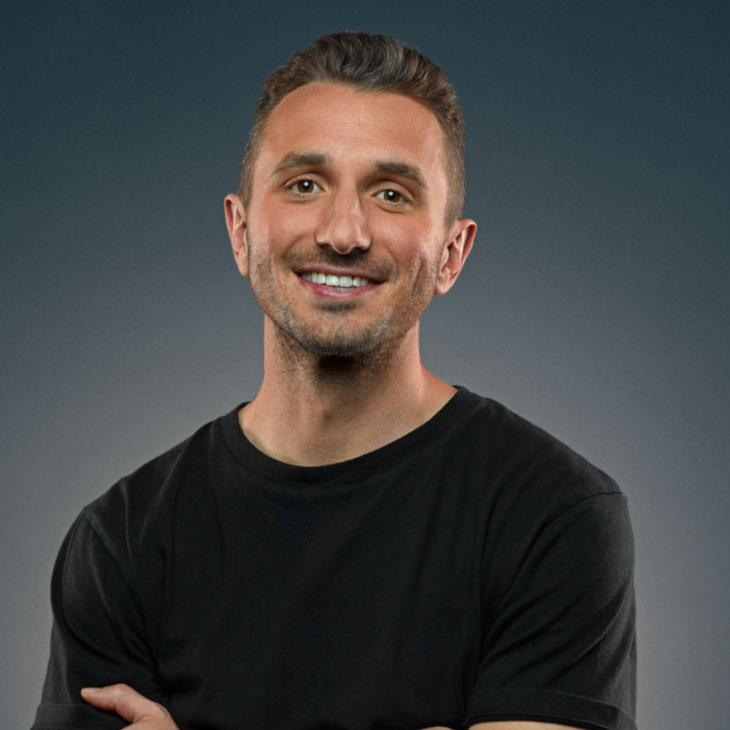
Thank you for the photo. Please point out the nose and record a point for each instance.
(343, 225)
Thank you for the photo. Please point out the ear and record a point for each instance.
(457, 248)
(236, 222)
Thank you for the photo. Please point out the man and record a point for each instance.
(362, 545)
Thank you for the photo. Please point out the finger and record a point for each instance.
(128, 704)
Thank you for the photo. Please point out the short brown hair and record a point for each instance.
(370, 63)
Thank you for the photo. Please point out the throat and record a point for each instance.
(312, 430)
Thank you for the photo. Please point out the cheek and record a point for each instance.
(414, 247)
(281, 226)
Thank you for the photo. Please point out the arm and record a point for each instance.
(520, 725)
(559, 648)
(99, 636)
(147, 715)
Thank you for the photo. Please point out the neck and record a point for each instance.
(313, 411)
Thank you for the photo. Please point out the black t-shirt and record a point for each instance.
(475, 569)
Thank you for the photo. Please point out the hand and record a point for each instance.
(131, 706)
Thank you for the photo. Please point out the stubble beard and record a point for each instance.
(333, 341)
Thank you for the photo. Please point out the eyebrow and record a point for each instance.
(402, 169)
(293, 160)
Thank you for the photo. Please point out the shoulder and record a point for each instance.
(520, 463)
(140, 502)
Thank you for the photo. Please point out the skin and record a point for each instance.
(343, 374)
(353, 183)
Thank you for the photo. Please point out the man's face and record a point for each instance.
(343, 236)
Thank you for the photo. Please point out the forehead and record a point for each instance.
(349, 124)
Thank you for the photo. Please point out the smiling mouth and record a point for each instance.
(339, 282)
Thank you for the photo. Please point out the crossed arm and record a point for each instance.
(601, 571)
(143, 714)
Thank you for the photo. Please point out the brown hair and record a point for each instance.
(370, 63)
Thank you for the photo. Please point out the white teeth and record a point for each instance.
(342, 282)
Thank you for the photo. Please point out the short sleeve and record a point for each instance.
(562, 646)
(98, 635)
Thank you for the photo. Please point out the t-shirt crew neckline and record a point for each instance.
(361, 467)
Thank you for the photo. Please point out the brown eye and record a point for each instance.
(390, 196)
(304, 187)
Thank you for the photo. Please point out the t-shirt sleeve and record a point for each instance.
(98, 635)
(561, 646)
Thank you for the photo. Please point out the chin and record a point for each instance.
(365, 347)
(339, 348)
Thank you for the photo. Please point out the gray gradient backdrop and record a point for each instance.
(595, 303)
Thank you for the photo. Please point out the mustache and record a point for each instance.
(355, 259)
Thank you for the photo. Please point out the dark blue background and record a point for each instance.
(595, 303)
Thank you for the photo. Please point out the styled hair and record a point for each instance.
(370, 63)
